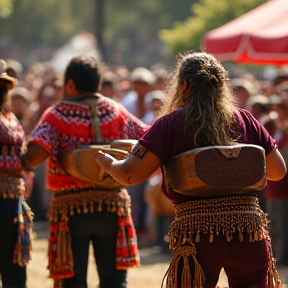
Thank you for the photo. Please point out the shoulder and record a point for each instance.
(109, 106)
(245, 114)
(11, 117)
(175, 117)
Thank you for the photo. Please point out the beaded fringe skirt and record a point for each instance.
(13, 187)
(64, 204)
(233, 216)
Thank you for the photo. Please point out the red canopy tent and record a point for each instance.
(259, 36)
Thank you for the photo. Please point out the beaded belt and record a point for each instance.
(227, 215)
(11, 186)
(63, 203)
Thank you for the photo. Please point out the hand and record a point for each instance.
(104, 160)
(29, 182)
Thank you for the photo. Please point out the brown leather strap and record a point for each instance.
(95, 118)
(91, 101)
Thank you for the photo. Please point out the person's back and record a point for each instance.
(81, 211)
(207, 232)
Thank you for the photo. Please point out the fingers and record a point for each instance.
(104, 160)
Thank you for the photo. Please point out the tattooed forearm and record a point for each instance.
(139, 151)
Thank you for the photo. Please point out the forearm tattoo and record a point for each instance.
(139, 151)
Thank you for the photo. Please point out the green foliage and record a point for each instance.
(44, 21)
(130, 27)
(207, 15)
(6, 8)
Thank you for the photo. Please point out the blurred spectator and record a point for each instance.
(123, 84)
(258, 105)
(154, 100)
(108, 85)
(269, 122)
(136, 102)
(50, 92)
(243, 89)
(21, 99)
(161, 76)
(142, 81)
(276, 193)
(161, 208)
(280, 78)
(282, 91)
(266, 88)
(14, 68)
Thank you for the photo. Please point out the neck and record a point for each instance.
(78, 95)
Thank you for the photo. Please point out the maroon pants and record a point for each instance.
(245, 263)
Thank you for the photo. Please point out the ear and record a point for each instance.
(70, 88)
(184, 86)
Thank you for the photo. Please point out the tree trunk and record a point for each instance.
(99, 27)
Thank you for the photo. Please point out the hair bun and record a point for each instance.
(208, 75)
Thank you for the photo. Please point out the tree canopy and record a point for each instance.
(130, 28)
(6, 8)
(206, 15)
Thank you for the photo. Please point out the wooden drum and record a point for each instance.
(80, 162)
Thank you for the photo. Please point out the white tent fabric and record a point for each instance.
(79, 44)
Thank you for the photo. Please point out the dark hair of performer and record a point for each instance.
(83, 73)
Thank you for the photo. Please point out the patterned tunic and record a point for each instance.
(11, 145)
(68, 125)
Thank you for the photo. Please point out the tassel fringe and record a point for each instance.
(60, 251)
(274, 280)
(184, 253)
(127, 253)
(23, 247)
(228, 216)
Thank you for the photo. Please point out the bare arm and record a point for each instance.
(35, 155)
(275, 166)
(131, 171)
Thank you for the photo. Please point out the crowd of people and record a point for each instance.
(41, 102)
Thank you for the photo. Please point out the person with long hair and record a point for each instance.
(15, 215)
(222, 230)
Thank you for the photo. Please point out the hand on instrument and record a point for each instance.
(104, 160)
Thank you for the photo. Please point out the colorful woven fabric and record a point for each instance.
(66, 126)
(12, 183)
(127, 253)
(25, 233)
(11, 142)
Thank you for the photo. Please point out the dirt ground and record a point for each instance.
(149, 275)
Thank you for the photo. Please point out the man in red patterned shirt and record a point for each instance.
(95, 214)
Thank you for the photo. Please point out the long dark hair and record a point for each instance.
(207, 100)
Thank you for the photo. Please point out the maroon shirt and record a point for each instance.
(167, 138)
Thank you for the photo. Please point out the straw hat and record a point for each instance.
(11, 81)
